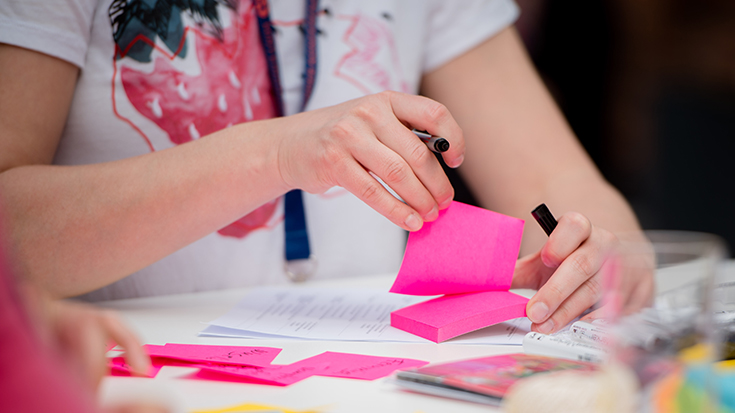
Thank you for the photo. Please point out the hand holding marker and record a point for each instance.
(559, 345)
(437, 144)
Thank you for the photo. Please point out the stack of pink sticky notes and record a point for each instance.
(469, 255)
(253, 364)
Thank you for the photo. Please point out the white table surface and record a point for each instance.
(178, 319)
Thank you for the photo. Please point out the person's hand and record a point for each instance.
(338, 145)
(567, 274)
(81, 334)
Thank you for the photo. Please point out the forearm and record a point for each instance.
(77, 228)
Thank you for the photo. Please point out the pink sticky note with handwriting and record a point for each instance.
(467, 249)
(360, 366)
(452, 315)
(118, 367)
(277, 375)
(198, 353)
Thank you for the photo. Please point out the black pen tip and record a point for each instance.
(441, 145)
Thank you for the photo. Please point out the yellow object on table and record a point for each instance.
(252, 407)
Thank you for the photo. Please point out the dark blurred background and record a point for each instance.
(649, 89)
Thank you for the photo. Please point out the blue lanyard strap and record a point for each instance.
(296, 235)
(265, 28)
(310, 32)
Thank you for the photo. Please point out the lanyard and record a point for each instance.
(300, 264)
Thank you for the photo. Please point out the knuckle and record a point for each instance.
(593, 290)
(386, 95)
(550, 257)
(342, 130)
(332, 155)
(335, 163)
(370, 192)
(579, 222)
(367, 112)
(396, 172)
(338, 162)
(420, 156)
(437, 112)
(555, 292)
(583, 264)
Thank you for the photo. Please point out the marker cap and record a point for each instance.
(543, 216)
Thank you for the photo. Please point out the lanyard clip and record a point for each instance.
(300, 270)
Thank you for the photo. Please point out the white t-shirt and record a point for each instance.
(154, 76)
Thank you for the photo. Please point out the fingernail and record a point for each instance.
(432, 215)
(546, 327)
(413, 222)
(446, 203)
(538, 312)
(459, 161)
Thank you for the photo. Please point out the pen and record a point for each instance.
(387, 188)
(543, 216)
(435, 143)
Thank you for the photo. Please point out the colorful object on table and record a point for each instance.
(708, 388)
(452, 315)
(118, 367)
(696, 387)
(663, 395)
(230, 363)
(193, 353)
(469, 254)
(483, 380)
(252, 407)
(467, 249)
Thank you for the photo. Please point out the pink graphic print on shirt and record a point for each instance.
(232, 87)
(372, 49)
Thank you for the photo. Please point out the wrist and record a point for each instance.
(262, 145)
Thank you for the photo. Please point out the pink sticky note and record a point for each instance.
(360, 366)
(278, 375)
(118, 367)
(452, 315)
(197, 353)
(467, 249)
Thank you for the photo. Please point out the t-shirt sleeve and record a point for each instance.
(457, 26)
(59, 28)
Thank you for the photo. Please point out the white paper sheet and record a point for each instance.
(337, 314)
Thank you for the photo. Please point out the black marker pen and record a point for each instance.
(435, 143)
(543, 216)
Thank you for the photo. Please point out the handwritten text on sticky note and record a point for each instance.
(193, 353)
